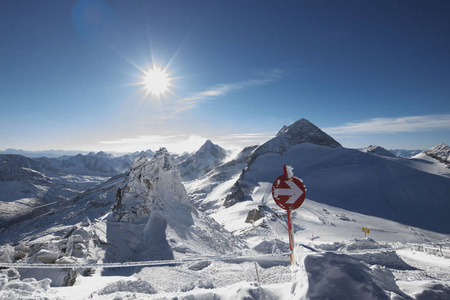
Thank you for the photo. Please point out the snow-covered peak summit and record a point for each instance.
(440, 152)
(373, 149)
(204, 160)
(302, 131)
(104, 154)
(207, 145)
(208, 149)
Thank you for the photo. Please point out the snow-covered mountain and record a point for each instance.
(46, 153)
(297, 133)
(22, 188)
(405, 153)
(378, 150)
(376, 185)
(100, 164)
(150, 212)
(32, 186)
(141, 215)
(148, 153)
(300, 132)
(439, 152)
(202, 161)
(207, 192)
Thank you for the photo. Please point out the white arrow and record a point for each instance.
(294, 191)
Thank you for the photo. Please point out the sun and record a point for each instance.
(156, 81)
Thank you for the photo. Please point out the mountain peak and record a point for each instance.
(201, 162)
(440, 152)
(299, 123)
(208, 143)
(209, 146)
(103, 154)
(301, 131)
(373, 149)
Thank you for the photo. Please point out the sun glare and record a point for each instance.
(156, 81)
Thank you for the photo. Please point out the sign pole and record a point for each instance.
(291, 235)
(289, 193)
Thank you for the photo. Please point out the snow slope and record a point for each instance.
(439, 152)
(374, 185)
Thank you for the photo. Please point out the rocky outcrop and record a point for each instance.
(150, 185)
(154, 219)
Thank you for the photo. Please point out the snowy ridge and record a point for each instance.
(377, 150)
(440, 152)
(405, 153)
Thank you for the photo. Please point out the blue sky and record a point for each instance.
(366, 72)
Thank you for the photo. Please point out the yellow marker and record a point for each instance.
(365, 230)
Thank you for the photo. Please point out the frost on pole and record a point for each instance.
(289, 171)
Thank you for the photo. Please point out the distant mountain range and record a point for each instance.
(405, 153)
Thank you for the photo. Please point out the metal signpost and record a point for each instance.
(289, 193)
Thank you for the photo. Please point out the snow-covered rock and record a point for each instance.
(136, 286)
(28, 288)
(339, 276)
(150, 186)
(153, 219)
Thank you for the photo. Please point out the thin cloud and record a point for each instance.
(240, 140)
(192, 101)
(246, 136)
(174, 143)
(394, 125)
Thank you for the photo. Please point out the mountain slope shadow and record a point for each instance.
(128, 242)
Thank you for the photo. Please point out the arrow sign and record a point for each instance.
(293, 191)
(288, 192)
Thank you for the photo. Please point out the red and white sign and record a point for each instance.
(288, 192)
